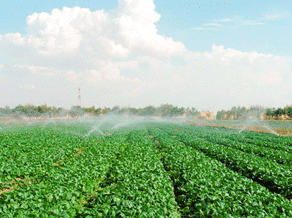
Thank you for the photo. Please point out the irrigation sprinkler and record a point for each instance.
(279, 139)
(60, 155)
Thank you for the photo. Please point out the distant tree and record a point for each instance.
(76, 111)
(43, 109)
(148, 111)
(133, 110)
(174, 111)
(5, 111)
(181, 111)
(106, 110)
(90, 110)
(220, 115)
(289, 112)
(54, 111)
(194, 111)
(61, 111)
(165, 109)
(98, 111)
(269, 112)
(115, 108)
(233, 111)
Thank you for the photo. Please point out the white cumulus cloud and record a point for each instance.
(28, 87)
(272, 16)
(223, 20)
(44, 71)
(213, 24)
(78, 40)
(252, 23)
(204, 28)
(108, 72)
(254, 67)
(72, 76)
(118, 33)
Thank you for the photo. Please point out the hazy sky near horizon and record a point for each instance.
(143, 52)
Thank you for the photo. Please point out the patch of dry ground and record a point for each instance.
(14, 185)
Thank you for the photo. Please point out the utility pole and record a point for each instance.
(79, 98)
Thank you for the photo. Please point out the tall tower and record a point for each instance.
(79, 98)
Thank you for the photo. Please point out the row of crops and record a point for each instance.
(143, 170)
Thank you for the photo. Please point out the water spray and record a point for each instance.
(60, 155)
(271, 131)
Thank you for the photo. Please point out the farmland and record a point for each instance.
(147, 169)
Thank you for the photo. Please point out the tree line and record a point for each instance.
(44, 110)
(235, 113)
(240, 113)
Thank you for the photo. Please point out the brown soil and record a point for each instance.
(151, 136)
(79, 152)
(13, 187)
(7, 189)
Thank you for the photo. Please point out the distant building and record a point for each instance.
(263, 116)
(208, 115)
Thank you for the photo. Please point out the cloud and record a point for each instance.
(223, 20)
(72, 76)
(266, 78)
(203, 28)
(114, 34)
(127, 65)
(224, 76)
(198, 28)
(252, 23)
(249, 67)
(108, 72)
(38, 70)
(272, 16)
(213, 24)
(98, 44)
(1, 66)
(28, 87)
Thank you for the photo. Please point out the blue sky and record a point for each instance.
(246, 28)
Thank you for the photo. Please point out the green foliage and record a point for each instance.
(146, 170)
(207, 188)
(268, 173)
(240, 113)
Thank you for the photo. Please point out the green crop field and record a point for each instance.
(149, 169)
